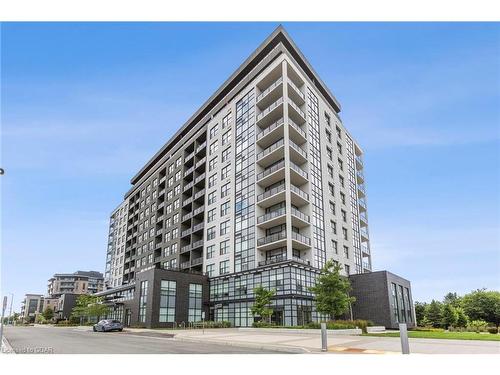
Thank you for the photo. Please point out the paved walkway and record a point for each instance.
(311, 342)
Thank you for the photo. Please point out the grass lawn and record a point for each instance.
(442, 335)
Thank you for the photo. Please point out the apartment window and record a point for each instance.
(225, 172)
(226, 155)
(226, 137)
(212, 180)
(178, 162)
(167, 301)
(143, 300)
(170, 168)
(211, 233)
(341, 179)
(173, 264)
(211, 215)
(151, 244)
(170, 182)
(169, 195)
(339, 147)
(335, 247)
(213, 148)
(150, 258)
(346, 252)
(333, 224)
(224, 227)
(173, 249)
(342, 197)
(224, 247)
(210, 268)
(195, 301)
(167, 236)
(344, 233)
(226, 120)
(339, 132)
(341, 164)
(224, 190)
(347, 269)
(329, 153)
(212, 197)
(175, 233)
(327, 119)
(177, 189)
(176, 218)
(330, 170)
(329, 136)
(344, 216)
(210, 251)
(224, 208)
(212, 164)
(213, 130)
(332, 208)
(224, 267)
(331, 188)
(177, 175)
(176, 204)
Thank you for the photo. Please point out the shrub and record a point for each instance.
(263, 324)
(427, 329)
(477, 326)
(342, 324)
(493, 330)
(221, 324)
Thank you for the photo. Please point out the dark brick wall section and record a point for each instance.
(373, 297)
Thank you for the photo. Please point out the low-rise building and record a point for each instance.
(31, 307)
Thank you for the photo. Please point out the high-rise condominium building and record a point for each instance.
(261, 186)
(115, 256)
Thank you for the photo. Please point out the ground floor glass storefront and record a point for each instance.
(232, 296)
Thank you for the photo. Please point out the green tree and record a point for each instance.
(332, 291)
(88, 306)
(453, 299)
(462, 319)
(420, 312)
(261, 306)
(483, 305)
(48, 313)
(433, 314)
(450, 316)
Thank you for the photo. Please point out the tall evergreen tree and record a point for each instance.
(433, 314)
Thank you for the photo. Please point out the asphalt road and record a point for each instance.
(72, 340)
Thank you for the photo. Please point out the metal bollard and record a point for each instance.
(403, 334)
(324, 346)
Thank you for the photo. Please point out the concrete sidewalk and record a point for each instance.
(311, 342)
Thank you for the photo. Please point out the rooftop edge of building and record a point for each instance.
(279, 35)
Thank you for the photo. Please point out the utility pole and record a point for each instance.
(11, 320)
(4, 306)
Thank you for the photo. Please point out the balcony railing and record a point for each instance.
(297, 148)
(187, 201)
(200, 178)
(296, 107)
(362, 202)
(269, 89)
(198, 210)
(362, 188)
(272, 238)
(300, 215)
(364, 232)
(300, 93)
(189, 171)
(270, 128)
(270, 170)
(196, 244)
(272, 261)
(271, 215)
(301, 238)
(186, 232)
(198, 227)
(185, 264)
(270, 149)
(271, 192)
(188, 186)
(297, 128)
(299, 170)
(200, 162)
(187, 216)
(189, 156)
(299, 192)
(197, 261)
(200, 147)
(199, 194)
(266, 111)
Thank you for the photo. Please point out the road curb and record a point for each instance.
(288, 349)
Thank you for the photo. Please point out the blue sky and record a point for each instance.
(84, 106)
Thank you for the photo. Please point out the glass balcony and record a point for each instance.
(271, 215)
(273, 86)
(303, 242)
(272, 238)
(269, 171)
(268, 110)
(270, 128)
(266, 157)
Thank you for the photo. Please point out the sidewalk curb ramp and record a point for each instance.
(6, 348)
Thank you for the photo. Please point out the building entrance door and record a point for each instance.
(128, 314)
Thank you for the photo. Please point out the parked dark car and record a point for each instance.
(107, 325)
